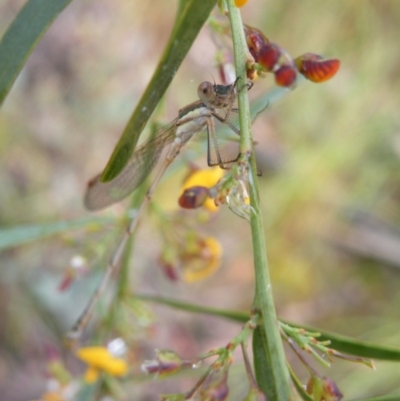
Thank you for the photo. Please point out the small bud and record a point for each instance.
(215, 387)
(323, 389)
(170, 271)
(77, 267)
(193, 197)
(166, 362)
(285, 76)
(169, 261)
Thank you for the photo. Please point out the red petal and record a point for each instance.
(319, 70)
(255, 40)
(269, 55)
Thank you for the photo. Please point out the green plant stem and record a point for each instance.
(263, 300)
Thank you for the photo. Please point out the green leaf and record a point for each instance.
(22, 36)
(355, 347)
(11, 237)
(190, 18)
(338, 342)
(262, 367)
(241, 317)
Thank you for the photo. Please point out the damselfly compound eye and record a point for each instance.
(205, 91)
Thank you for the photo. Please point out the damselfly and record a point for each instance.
(216, 101)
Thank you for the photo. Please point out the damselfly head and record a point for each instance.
(216, 95)
(206, 92)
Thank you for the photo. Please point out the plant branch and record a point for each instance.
(279, 387)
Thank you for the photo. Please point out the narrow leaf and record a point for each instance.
(355, 347)
(241, 317)
(22, 36)
(11, 237)
(338, 342)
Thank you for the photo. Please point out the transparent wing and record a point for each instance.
(102, 194)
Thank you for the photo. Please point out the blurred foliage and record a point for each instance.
(329, 155)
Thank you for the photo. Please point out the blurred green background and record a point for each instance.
(330, 188)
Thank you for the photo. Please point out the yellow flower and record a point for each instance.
(99, 359)
(240, 3)
(205, 262)
(204, 178)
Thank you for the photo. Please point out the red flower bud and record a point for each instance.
(193, 197)
(315, 68)
(255, 40)
(269, 55)
(285, 76)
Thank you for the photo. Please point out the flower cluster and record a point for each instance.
(272, 58)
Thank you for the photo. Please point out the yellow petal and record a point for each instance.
(94, 356)
(204, 178)
(210, 205)
(116, 367)
(99, 358)
(202, 267)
